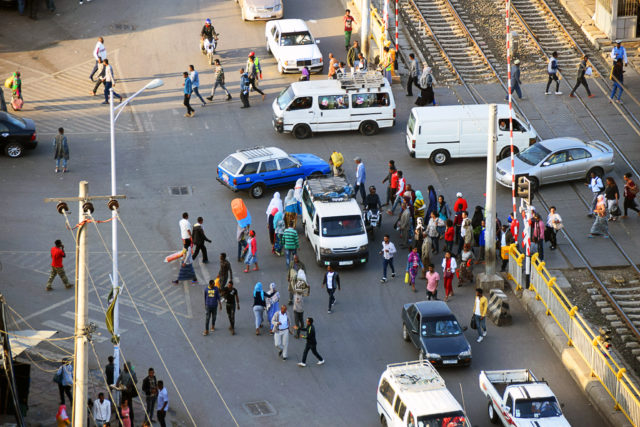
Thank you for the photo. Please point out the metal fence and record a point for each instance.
(613, 377)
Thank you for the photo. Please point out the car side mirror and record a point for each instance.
(546, 164)
(317, 41)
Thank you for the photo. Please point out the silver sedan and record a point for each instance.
(557, 160)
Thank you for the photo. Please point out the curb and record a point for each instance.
(572, 361)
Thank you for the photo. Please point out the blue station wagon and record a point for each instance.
(259, 168)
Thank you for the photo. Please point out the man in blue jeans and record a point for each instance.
(387, 252)
(211, 302)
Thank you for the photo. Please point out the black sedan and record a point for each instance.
(435, 331)
(16, 134)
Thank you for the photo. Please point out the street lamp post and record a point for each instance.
(114, 224)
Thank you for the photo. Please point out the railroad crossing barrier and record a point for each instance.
(613, 377)
(498, 309)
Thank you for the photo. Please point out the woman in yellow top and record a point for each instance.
(419, 207)
(480, 306)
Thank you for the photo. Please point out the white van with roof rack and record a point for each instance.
(359, 101)
(333, 222)
(414, 394)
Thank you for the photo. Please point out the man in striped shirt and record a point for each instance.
(291, 244)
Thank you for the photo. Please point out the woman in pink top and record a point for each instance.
(124, 413)
(252, 252)
(432, 283)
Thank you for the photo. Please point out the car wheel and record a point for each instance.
(506, 152)
(369, 128)
(383, 421)
(280, 68)
(405, 333)
(301, 131)
(14, 150)
(440, 157)
(598, 171)
(493, 417)
(257, 190)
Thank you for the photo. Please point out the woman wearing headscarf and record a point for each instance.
(449, 267)
(273, 303)
(275, 206)
(413, 262)
(433, 233)
(290, 203)
(278, 220)
(443, 214)
(419, 206)
(427, 96)
(476, 223)
(600, 225)
(419, 235)
(433, 201)
(251, 250)
(259, 302)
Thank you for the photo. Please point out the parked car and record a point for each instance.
(557, 160)
(435, 331)
(259, 168)
(16, 134)
(293, 46)
(256, 10)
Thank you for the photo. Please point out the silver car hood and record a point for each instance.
(521, 168)
(262, 4)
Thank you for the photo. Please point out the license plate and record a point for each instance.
(225, 178)
(345, 263)
(449, 362)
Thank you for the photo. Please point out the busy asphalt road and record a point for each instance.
(159, 148)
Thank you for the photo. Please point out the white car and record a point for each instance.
(293, 46)
(256, 10)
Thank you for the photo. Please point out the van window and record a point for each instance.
(335, 226)
(387, 391)
(308, 203)
(503, 124)
(411, 124)
(301, 103)
(557, 158)
(333, 102)
(578, 153)
(456, 418)
(400, 408)
(287, 163)
(269, 166)
(250, 168)
(285, 97)
(367, 100)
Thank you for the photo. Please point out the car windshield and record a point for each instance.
(296, 39)
(453, 419)
(411, 124)
(440, 327)
(15, 121)
(231, 164)
(335, 226)
(285, 97)
(544, 407)
(534, 154)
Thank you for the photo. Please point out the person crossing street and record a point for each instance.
(311, 344)
(218, 80)
(57, 269)
(332, 281)
(232, 303)
(188, 90)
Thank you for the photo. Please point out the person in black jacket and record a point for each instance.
(311, 344)
(198, 240)
(332, 281)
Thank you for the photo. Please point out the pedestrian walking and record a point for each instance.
(459, 206)
(273, 302)
(554, 224)
(232, 303)
(64, 379)
(100, 80)
(15, 85)
(600, 225)
(101, 410)
(211, 303)
(127, 382)
(449, 267)
(467, 259)
(482, 240)
(301, 290)
(583, 71)
(537, 229)
(425, 83)
(612, 195)
(480, 306)
(281, 328)
(62, 417)
(419, 206)
(332, 281)
(432, 277)
(449, 235)
(425, 250)
(109, 82)
(352, 56)
(253, 72)
(413, 74)
(99, 54)
(187, 91)
(150, 389)
(57, 269)
(245, 83)
(333, 63)
(225, 273)
(400, 189)
(506, 239)
(630, 192)
(348, 21)
(432, 232)
(109, 370)
(361, 177)
(390, 175)
(405, 224)
(218, 77)
(186, 230)
(242, 233)
(199, 238)
(259, 304)
(388, 252)
(515, 80)
(443, 213)
(292, 275)
(413, 262)
(597, 188)
(466, 232)
(291, 244)
(186, 268)
(619, 53)
(61, 150)
(251, 250)
(195, 83)
(386, 64)
(552, 70)
(311, 345)
(275, 206)
(617, 76)
(163, 404)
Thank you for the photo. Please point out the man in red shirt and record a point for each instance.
(348, 28)
(57, 253)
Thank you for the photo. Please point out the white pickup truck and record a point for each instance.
(517, 398)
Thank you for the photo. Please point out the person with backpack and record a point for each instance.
(552, 70)
(617, 76)
(583, 70)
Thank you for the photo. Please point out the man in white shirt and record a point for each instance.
(100, 54)
(332, 281)
(109, 82)
(185, 230)
(281, 331)
(597, 188)
(619, 52)
(101, 410)
(163, 404)
(387, 252)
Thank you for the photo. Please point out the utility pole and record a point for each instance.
(7, 361)
(365, 27)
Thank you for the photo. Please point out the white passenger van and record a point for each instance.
(363, 102)
(452, 131)
(414, 394)
(333, 222)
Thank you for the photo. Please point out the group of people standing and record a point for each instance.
(605, 205)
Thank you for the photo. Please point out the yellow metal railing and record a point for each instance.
(613, 377)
